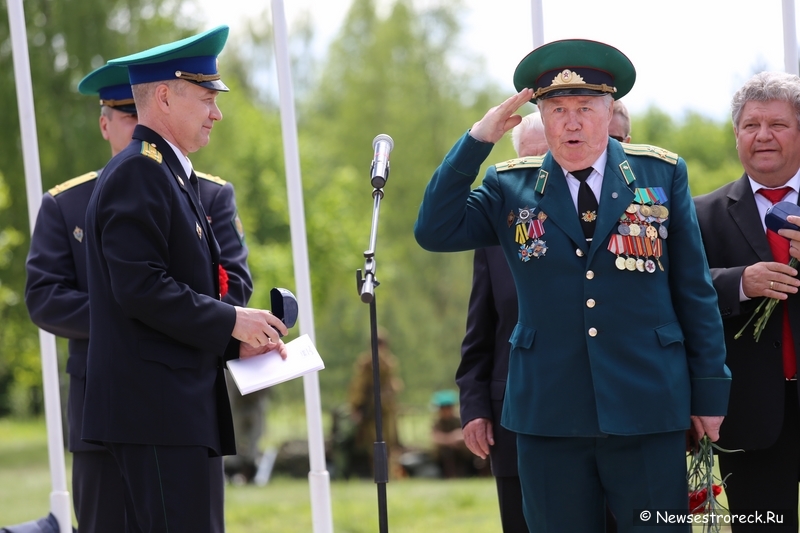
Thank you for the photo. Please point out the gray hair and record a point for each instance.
(531, 121)
(622, 111)
(765, 87)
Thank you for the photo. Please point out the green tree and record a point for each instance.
(66, 40)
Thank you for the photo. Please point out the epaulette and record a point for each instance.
(520, 162)
(652, 151)
(58, 189)
(209, 177)
(150, 151)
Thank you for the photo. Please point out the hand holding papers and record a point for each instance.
(262, 371)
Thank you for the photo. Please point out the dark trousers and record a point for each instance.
(568, 481)
(167, 487)
(509, 494)
(767, 480)
(98, 492)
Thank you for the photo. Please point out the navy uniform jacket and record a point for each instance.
(56, 290)
(596, 350)
(734, 238)
(159, 335)
(482, 374)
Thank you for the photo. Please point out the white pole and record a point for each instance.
(59, 497)
(319, 480)
(789, 38)
(537, 23)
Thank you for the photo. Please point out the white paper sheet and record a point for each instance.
(262, 371)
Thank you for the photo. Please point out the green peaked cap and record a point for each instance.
(111, 83)
(574, 67)
(193, 59)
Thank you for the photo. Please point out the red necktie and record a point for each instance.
(780, 252)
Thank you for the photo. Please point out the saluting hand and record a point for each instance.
(260, 331)
(499, 119)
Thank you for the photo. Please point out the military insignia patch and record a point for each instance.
(238, 227)
(78, 234)
(150, 151)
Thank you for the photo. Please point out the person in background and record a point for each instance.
(361, 397)
(600, 404)
(748, 264)
(155, 393)
(620, 127)
(57, 298)
(450, 452)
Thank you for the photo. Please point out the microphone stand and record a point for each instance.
(366, 288)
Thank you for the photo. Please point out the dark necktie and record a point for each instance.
(587, 203)
(780, 252)
(195, 184)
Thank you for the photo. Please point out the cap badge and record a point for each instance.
(567, 76)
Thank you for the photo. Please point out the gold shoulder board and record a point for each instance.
(209, 177)
(520, 162)
(58, 189)
(651, 151)
(150, 151)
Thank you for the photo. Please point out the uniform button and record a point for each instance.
(593, 332)
(589, 274)
(579, 252)
(590, 303)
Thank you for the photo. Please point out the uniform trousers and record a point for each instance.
(767, 480)
(567, 481)
(165, 487)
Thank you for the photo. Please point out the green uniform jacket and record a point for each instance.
(597, 350)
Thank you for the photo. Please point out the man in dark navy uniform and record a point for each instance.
(58, 300)
(160, 334)
(618, 349)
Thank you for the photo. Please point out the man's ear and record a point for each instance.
(104, 126)
(163, 96)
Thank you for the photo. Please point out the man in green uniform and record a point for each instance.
(619, 347)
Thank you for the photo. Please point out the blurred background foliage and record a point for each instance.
(391, 73)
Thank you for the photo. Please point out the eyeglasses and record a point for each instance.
(620, 139)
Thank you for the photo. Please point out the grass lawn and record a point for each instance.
(283, 505)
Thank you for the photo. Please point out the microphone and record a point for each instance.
(382, 145)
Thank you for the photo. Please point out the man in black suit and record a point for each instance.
(160, 334)
(748, 264)
(481, 376)
(57, 298)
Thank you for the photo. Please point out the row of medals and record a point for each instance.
(638, 221)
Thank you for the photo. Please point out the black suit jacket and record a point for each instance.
(159, 335)
(56, 289)
(734, 238)
(482, 374)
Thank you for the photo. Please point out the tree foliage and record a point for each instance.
(390, 73)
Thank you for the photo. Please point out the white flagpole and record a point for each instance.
(789, 38)
(59, 497)
(537, 23)
(319, 480)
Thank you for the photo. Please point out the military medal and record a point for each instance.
(651, 233)
(528, 232)
(624, 229)
(635, 230)
(630, 264)
(615, 246)
(538, 248)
